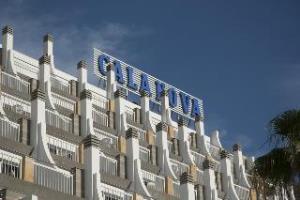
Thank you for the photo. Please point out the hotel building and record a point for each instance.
(127, 137)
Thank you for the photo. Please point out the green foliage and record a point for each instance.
(279, 165)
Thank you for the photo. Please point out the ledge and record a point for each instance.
(61, 134)
(115, 181)
(26, 188)
(15, 147)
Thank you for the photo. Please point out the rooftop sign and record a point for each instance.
(134, 80)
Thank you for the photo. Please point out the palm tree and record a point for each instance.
(280, 167)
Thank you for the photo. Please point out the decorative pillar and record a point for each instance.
(92, 167)
(187, 187)
(7, 50)
(120, 119)
(227, 179)
(24, 130)
(77, 182)
(75, 123)
(38, 136)
(111, 119)
(145, 107)
(153, 154)
(48, 50)
(86, 119)
(34, 84)
(184, 144)
(111, 81)
(121, 158)
(82, 75)
(239, 166)
(132, 149)
(169, 185)
(137, 113)
(73, 88)
(162, 143)
(210, 189)
(28, 169)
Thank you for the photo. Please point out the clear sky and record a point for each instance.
(241, 57)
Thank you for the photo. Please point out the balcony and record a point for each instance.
(58, 180)
(198, 159)
(109, 140)
(178, 167)
(15, 83)
(10, 164)
(108, 165)
(59, 121)
(9, 129)
(242, 192)
(62, 87)
(62, 148)
(100, 117)
(153, 182)
(112, 193)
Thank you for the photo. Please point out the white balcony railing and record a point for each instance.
(144, 154)
(99, 100)
(112, 193)
(15, 83)
(9, 129)
(108, 165)
(242, 192)
(107, 138)
(178, 167)
(153, 181)
(198, 159)
(20, 106)
(141, 132)
(59, 180)
(59, 121)
(60, 85)
(62, 148)
(63, 102)
(100, 117)
(10, 164)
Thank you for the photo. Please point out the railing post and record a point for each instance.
(33, 84)
(169, 185)
(73, 88)
(28, 169)
(137, 114)
(153, 153)
(24, 130)
(111, 119)
(77, 182)
(121, 158)
(75, 124)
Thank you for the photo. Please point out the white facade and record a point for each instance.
(92, 142)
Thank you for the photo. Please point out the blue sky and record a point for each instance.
(241, 57)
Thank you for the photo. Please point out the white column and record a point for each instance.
(121, 124)
(227, 176)
(184, 144)
(7, 49)
(86, 119)
(92, 167)
(48, 50)
(111, 82)
(187, 188)
(82, 75)
(210, 189)
(239, 166)
(132, 151)
(38, 136)
(163, 151)
(145, 108)
(45, 79)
